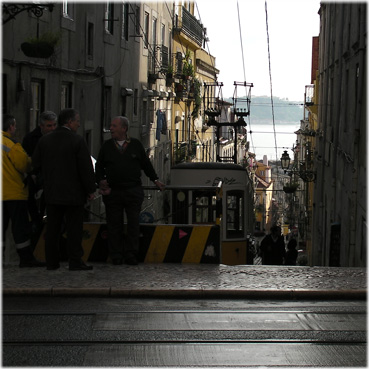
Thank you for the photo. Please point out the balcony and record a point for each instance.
(190, 26)
(184, 151)
(158, 61)
(309, 95)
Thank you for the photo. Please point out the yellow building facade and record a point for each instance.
(191, 66)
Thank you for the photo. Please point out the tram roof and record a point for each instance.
(209, 165)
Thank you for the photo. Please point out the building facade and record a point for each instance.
(108, 59)
(263, 196)
(340, 191)
(191, 66)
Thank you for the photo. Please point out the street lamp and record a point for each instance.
(305, 175)
(285, 161)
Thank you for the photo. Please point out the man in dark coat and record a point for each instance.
(47, 124)
(118, 173)
(36, 209)
(68, 178)
(272, 248)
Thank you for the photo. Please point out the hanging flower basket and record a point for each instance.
(37, 50)
(291, 188)
(41, 47)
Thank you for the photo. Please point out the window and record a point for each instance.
(204, 210)
(235, 214)
(169, 37)
(144, 118)
(137, 21)
(66, 96)
(107, 107)
(109, 18)
(37, 94)
(68, 9)
(154, 26)
(163, 34)
(125, 18)
(151, 110)
(146, 30)
(180, 206)
(90, 40)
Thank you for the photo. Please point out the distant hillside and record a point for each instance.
(285, 111)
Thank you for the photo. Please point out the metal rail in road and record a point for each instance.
(182, 333)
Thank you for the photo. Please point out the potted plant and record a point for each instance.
(169, 71)
(187, 70)
(41, 47)
(169, 76)
(197, 97)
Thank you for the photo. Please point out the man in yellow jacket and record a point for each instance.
(15, 165)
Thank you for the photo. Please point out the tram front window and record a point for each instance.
(235, 214)
(205, 208)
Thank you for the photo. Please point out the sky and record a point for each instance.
(291, 26)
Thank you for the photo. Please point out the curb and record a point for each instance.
(359, 294)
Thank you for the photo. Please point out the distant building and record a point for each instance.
(263, 196)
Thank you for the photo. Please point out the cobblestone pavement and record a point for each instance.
(188, 279)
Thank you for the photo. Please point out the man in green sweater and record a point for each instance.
(118, 173)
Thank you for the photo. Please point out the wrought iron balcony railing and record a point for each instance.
(184, 151)
(158, 59)
(190, 26)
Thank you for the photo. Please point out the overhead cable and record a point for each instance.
(270, 79)
(244, 72)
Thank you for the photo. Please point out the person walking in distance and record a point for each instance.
(68, 177)
(118, 174)
(292, 253)
(15, 165)
(272, 247)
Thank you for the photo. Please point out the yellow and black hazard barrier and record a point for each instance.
(158, 244)
(180, 244)
(94, 243)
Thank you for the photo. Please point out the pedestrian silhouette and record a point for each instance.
(272, 248)
(291, 254)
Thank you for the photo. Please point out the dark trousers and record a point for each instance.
(73, 216)
(17, 212)
(120, 200)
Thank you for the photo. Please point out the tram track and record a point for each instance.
(122, 332)
(96, 334)
(176, 342)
